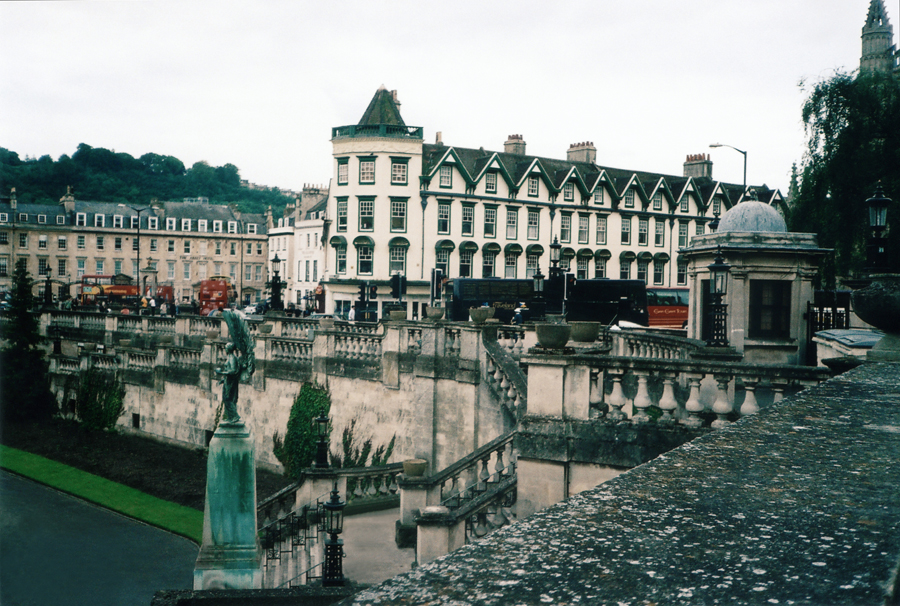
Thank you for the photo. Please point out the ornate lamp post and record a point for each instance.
(48, 290)
(718, 286)
(321, 423)
(538, 303)
(276, 284)
(555, 250)
(876, 257)
(333, 523)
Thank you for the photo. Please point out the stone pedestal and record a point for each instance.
(230, 556)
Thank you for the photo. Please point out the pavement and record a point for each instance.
(58, 550)
(372, 554)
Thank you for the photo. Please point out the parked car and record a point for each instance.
(253, 308)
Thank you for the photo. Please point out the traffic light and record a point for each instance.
(395, 286)
(362, 292)
(402, 285)
(373, 292)
(437, 278)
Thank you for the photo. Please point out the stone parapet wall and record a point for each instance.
(796, 504)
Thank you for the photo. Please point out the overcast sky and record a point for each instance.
(260, 84)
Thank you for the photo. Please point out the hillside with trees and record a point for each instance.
(98, 174)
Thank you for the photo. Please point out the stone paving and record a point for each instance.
(799, 504)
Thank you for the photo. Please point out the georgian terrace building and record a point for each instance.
(180, 244)
(399, 205)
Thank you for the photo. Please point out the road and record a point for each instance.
(56, 549)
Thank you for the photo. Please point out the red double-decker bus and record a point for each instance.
(214, 294)
(114, 290)
(667, 307)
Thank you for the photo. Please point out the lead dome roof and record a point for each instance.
(752, 216)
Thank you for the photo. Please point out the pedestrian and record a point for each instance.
(152, 306)
(163, 308)
(352, 315)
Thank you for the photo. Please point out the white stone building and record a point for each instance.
(399, 205)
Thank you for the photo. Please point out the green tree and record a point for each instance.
(852, 127)
(24, 391)
(298, 449)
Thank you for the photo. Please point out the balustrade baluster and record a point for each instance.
(750, 405)
(722, 406)
(596, 394)
(778, 388)
(693, 406)
(667, 403)
(499, 467)
(641, 400)
(616, 399)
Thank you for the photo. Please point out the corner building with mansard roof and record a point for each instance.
(400, 205)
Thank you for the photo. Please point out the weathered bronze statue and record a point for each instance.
(239, 365)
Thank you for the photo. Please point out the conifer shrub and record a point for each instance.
(297, 450)
(99, 400)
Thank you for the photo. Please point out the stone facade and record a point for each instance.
(400, 205)
(180, 244)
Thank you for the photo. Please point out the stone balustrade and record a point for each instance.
(456, 505)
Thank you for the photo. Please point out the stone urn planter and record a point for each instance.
(480, 314)
(212, 335)
(266, 328)
(398, 314)
(552, 336)
(415, 468)
(879, 305)
(326, 323)
(433, 313)
(585, 332)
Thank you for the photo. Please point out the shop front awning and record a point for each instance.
(363, 241)
(534, 249)
(585, 252)
(468, 246)
(567, 253)
(445, 245)
(491, 248)
(603, 254)
(513, 249)
(338, 242)
(398, 242)
(627, 255)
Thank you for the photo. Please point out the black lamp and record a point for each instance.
(555, 250)
(333, 524)
(538, 304)
(718, 287)
(878, 204)
(875, 253)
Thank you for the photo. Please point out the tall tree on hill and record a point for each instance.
(24, 391)
(852, 129)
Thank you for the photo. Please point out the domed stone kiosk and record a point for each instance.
(769, 283)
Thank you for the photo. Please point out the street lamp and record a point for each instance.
(48, 290)
(138, 266)
(875, 249)
(718, 286)
(321, 423)
(538, 295)
(555, 250)
(332, 522)
(743, 191)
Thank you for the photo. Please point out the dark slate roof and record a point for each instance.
(382, 110)
(473, 161)
(33, 210)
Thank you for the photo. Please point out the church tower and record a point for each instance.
(878, 54)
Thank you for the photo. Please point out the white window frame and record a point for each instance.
(99, 220)
(569, 192)
(42, 219)
(490, 183)
(251, 228)
(534, 224)
(565, 228)
(584, 229)
(659, 232)
(217, 227)
(601, 229)
(185, 225)
(599, 195)
(445, 176)
(118, 222)
(232, 227)
(153, 222)
(202, 225)
(81, 219)
(533, 186)
(170, 223)
(367, 171)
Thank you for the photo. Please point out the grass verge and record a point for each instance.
(133, 503)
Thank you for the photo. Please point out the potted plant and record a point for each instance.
(480, 314)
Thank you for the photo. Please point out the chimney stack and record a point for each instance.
(515, 145)
(698, 165)
(582, 152)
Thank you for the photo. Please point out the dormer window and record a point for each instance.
(23, 217)
(232, 227)
(533, 185)
(446, 176)
(657, 201)
(99, 220)
(629, 198)
(118, 221)
(153, 222)
(170, 223)
(217, 227)
(80, 219)
(569, 192)
(60, 219)
(490, 183)
(185, 225)
(599, 195)
(685, 203)
(42, 219)
(201, 225)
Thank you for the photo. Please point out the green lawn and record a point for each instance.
(175, 518)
